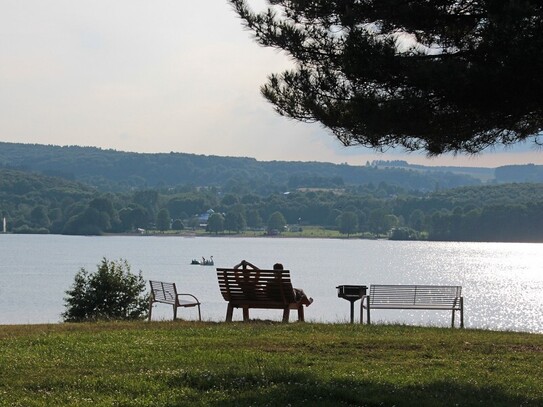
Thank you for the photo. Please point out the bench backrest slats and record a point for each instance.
(256, 285)
(164, 292)
(414, 294)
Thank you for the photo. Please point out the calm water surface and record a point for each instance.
(502, 283)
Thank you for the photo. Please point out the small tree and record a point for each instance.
(235, 221)
(378, 222)
(215, 223)
(39, 216)
(253, 219)
(111, 293)
(163, 220)
(348, 223)
(178, 225)
(277, 222)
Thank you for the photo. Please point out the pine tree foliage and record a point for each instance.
(434, 75)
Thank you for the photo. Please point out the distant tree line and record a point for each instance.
(115, 171)
(511, 212)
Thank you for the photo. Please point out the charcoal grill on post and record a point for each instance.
(351, 293)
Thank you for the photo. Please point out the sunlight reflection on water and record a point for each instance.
(502, 283)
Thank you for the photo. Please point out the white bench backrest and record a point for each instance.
(414, 294)
(163, 292)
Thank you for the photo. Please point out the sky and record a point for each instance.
(161, 76)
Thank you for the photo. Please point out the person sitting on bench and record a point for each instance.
(299, 294)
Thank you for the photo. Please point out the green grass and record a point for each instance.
(266, 364)
(307, 232)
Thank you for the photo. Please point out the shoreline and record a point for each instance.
(287, 235)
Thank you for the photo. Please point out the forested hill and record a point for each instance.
(117, 170)
(33, 203)
(501, 175)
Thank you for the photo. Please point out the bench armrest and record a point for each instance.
(364, 297)
(189, 295)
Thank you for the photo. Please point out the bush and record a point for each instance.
(111, 293)
(178, 225)
(25, 229)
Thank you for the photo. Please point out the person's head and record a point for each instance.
(278, 266)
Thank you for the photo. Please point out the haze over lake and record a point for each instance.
(502, 282)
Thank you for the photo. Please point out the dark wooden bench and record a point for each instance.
(427, 297)
(248, 288)
(166, 293)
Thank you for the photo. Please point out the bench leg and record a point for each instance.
(245, 314)
(367, 299)
(174, 312)
(199, 313)
(229, 312)
(301, 314)
(286, 314)
(150, 308)
(461, 312)
(461, 303)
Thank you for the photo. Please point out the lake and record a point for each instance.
(502, 282)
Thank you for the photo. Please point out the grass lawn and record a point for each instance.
(266, 364)
(306, 232)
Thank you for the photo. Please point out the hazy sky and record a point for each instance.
(159, 76)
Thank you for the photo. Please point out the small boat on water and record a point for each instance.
(203, 262)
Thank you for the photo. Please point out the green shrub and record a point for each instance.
(111, 293)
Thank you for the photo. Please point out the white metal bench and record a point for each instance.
(428, 297)
(167, 293)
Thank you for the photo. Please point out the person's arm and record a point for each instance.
(245, 264)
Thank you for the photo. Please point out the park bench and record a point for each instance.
(166, 293)
(248, 288)
(427, 297)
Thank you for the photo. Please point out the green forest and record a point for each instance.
(38, 203)
(88, 191)
(111, 170)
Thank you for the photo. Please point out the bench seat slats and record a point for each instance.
(411, 306)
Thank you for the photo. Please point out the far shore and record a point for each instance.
(311, 233)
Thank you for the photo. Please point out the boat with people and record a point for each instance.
(203, 262)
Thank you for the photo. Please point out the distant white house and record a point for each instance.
(203, 217)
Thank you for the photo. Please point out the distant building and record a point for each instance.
(203, 217)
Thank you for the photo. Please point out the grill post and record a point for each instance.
(351, 293)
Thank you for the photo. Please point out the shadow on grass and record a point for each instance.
(298, 389)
